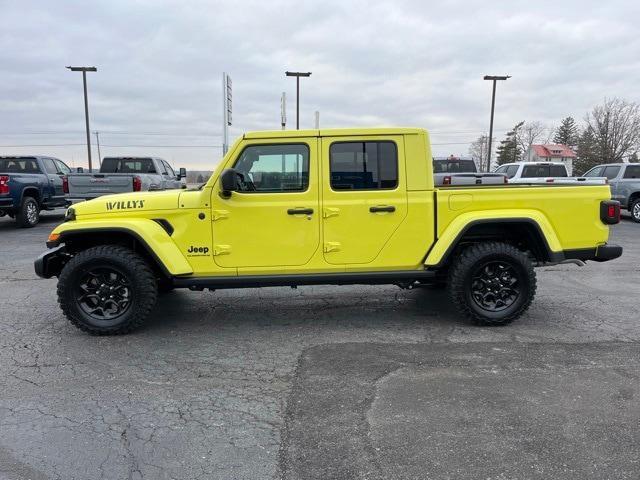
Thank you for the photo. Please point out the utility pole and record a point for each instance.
(317, 120)
(494, 78)
(97, 134)
(84, 71)
(297, 75)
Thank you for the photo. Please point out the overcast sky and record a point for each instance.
(410, 63)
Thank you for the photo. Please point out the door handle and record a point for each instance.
(382, 208)
(300, 211)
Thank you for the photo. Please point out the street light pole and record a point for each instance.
(297, 75)
(84, 71)
(494, 78)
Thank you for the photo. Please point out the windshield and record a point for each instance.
(127, 165)
(19, 165)
(454, 166)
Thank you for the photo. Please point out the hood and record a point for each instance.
(128, 202)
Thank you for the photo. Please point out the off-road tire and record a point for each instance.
(634, 210)
(29, 213)
(144, 289)
(461, 277)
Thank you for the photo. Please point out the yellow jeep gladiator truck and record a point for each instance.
(342, 206)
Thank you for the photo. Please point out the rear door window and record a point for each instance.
(50, 166)
(611, 172)
(363, 165)
(632, 171)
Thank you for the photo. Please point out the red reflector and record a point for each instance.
(4, 184)
(549, 180)
(611, 211)
(137, 184)
(65, 184)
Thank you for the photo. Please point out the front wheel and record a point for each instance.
(492, 283)
(634, 209)
(107, 290)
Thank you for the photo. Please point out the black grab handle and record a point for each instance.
(300, 211)
(385, 208)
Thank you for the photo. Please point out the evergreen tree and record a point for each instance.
(587, 152)
(633, 158)
(509, 150)
(567, 133)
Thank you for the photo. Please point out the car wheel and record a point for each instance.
(29, 214)
(635, 210)
(107, 290)
(492, 283)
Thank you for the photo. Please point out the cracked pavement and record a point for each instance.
(323, 382)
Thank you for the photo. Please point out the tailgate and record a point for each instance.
(99, 184)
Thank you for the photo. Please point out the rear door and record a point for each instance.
(274, 220)
(364, 197)
(55, 179)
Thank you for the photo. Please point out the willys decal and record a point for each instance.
(125, 205)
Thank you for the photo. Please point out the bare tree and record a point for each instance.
(529, 133)
(478, 151)
(616, 128)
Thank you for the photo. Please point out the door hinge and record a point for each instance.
(330, 212)
(332, 247)
(221, 250)
(219, 215)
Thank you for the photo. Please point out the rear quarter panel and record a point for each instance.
(569, 216)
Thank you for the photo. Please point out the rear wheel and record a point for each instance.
(635, 210)
(492, 283)
(107, 290)
(29, 214)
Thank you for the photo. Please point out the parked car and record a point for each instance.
(125, 174)
(343, 206)
(624, 179)
(543, 172)
(29, 184)
(458, 171)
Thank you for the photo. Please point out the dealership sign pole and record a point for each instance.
(227, 103)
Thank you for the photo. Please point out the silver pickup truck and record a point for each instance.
(125, 174)
(459, 171)
(624, 179)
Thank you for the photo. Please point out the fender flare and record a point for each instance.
(149, 233)
(454, 232)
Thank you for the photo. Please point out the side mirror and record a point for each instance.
(80, 170)
(182, 173)
(228, 182)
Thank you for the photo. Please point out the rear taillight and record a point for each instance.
(610, 212)
(446, 180)
(506, 179)
(137, 184)
(4, 184)
(549, 180)
(65, 184)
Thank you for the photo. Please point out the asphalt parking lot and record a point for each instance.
(324, 382)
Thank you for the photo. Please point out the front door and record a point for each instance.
(275, 219)
(364, 196)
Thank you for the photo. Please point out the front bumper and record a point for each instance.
(49, 264)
